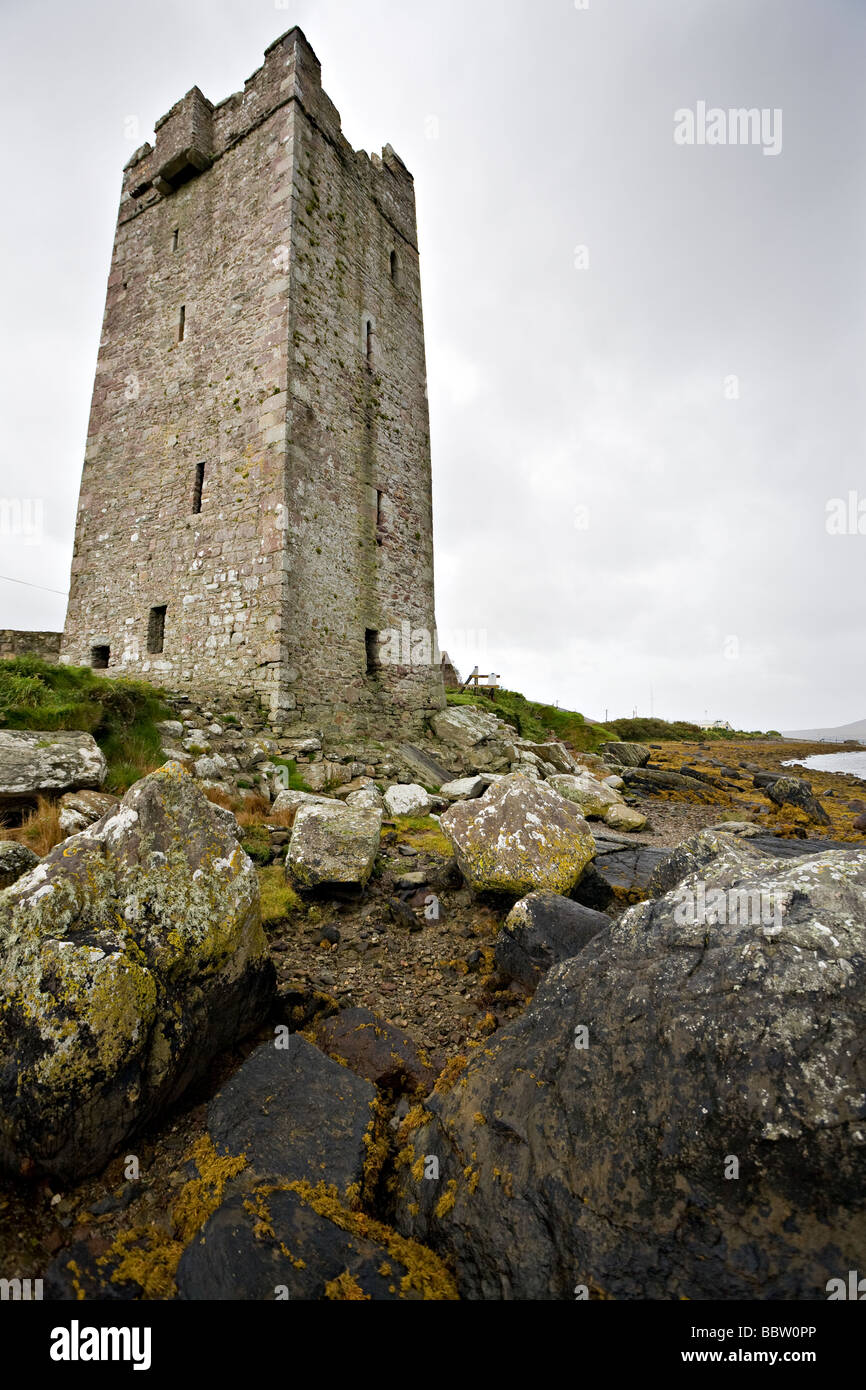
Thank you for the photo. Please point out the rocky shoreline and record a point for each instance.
(358, 1050)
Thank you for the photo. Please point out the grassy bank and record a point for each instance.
(122, 715)
(538, 721)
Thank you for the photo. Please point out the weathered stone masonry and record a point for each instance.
(17, 642)
(258, 457)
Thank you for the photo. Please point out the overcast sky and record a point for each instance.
(635, 443)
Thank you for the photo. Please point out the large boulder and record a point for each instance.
(519, 837)
(554, 753)
(41, 763)
(465, 726)
(292, 1112)
(408, 799)
(627, 754)
(793, 791)
(473, 738)
(592, 796)
(80, 809)
(334, 845)
(622, 817)
(309, 1139)
(541, 930)
(679, 1114)
(129, 957)
(299, 1242)
(15, 861)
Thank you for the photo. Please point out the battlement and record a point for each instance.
(195, 133)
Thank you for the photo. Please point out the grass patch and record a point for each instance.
(420, 832)
(257, 844)
(643, 730)
(278, 897)
(295, 781)
(537, 721)
(120, 714)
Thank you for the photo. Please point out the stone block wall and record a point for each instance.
(19, 643)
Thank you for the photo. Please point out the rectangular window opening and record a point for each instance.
(99, 658)
(197, 487)
(380, 520)
(181, 323)
(174, 237)
(156, 629)
(371, 640)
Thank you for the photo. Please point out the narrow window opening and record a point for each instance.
(380, 520)
(174, 237)
(394, 267)
(371, 640)
(369, 342)
(181, 323)
(99, 658)
(156, 629)
(197, 487)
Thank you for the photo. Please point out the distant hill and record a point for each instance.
(842, 734)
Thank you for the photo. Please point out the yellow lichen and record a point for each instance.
(345, 1288)
(449, 1074)
(425, 1272)
(447, 1200)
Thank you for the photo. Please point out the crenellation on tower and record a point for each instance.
(256, 487)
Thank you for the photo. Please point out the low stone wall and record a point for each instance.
(15, 643)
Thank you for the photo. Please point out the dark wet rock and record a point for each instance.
(273, 1244)
(624, 866)
(656, 779)
(541, 930)
(295, 1113)
(376, 1050)
(76, 1274)
(710, 1050)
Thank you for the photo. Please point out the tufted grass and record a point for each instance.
(120, 714)
(40, 828)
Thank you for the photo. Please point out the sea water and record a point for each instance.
(855, 763)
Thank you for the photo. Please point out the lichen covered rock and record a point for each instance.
(681, 1111)
(129, 957)
(35, 762)
(409, 799)
(80, 809)
(519, 837)
(591, 795)
(622, 817)
(334, 844)
(15, 861)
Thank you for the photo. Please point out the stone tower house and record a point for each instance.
(255, 509)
